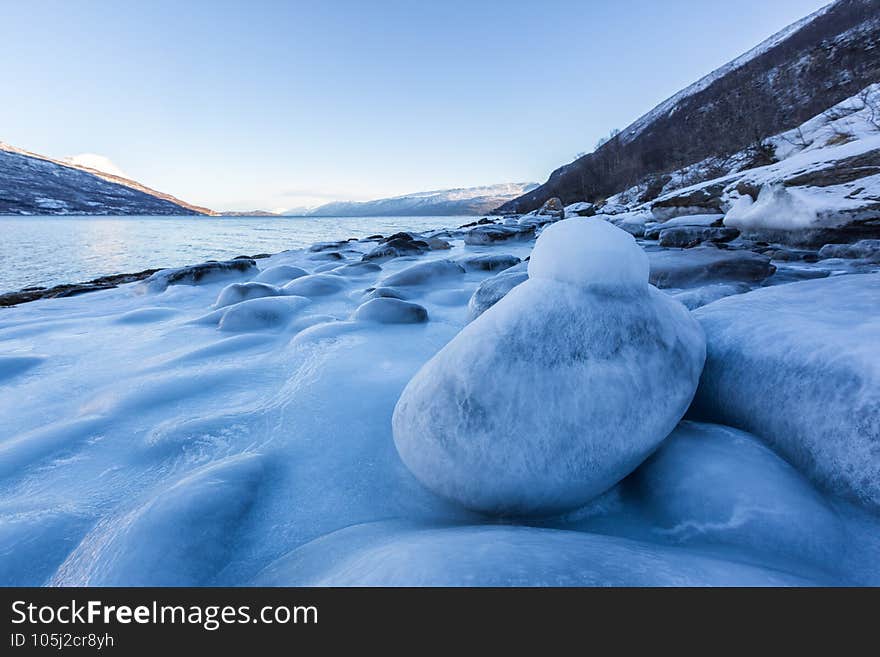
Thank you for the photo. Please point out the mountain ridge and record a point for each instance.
(34, 184)
(796, 73)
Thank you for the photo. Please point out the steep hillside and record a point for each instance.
(32, 184)
(795, 74)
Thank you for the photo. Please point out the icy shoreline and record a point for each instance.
(215, 430)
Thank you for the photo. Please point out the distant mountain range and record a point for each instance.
(32, 184)
(460, 201)
(797, 73)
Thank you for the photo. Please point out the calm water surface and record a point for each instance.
(47, 251)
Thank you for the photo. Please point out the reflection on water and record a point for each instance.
(47, 251)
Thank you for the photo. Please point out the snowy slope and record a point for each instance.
(32, 184)
(461, 201)
(796, 73)
(669, 105)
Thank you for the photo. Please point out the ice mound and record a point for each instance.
(586, 251)
(491, 290)
(357, 269)
(146, 315)
(179, 537)
(205, 272)
(390, 311)
(424, 272)
(711, 484)
(707, 264)
(799, 366)
(407, 554)
(237, 292)
(496, 262)
(11, 366)
(280, 274)
(561, 388)
(315, 285)
(383, 293)
(257, 314)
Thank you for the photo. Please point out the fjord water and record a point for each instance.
(51, 250)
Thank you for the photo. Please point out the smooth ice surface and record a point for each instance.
(588, 251)
(694, 488)
(405, 554)
(799, 366)
(529, 409)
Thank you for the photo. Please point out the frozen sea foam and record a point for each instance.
(560, 389)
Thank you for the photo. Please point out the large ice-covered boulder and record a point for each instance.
(399, 553)
(710, 485)
(561, 388)
(799, 366)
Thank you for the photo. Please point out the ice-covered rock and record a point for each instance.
(261, 313)
(358, 269)
(202, 273)
(561, 388)
(493, 262)
(399, 553)
(280, 274)
(236, 292)
(700, 296)
(652, 232)
(707, 264)
(799, 366)
(494, 288)
(178, 537)
(383, 293)
(711, 484)
(863, 249)
(482, 235)
(390, 311)
(316, 285)
(424, 272)
(689, 236)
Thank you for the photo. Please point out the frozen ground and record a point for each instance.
(184, 435)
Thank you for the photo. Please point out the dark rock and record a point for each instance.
(690, 236)
(706, 264)
(482, 235)
(863, 249)
(406, 237)
(482, 222)
(386, 310)
(489, 262)
(201, 273)
(327, 255)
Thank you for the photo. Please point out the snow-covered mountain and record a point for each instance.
(797, 73)
(32, 184)
(461, 201)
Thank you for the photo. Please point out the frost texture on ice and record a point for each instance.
(529, 409)
(799, 366)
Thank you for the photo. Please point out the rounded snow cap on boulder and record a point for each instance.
(589, 251)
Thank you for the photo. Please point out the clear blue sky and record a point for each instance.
(272, 104)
